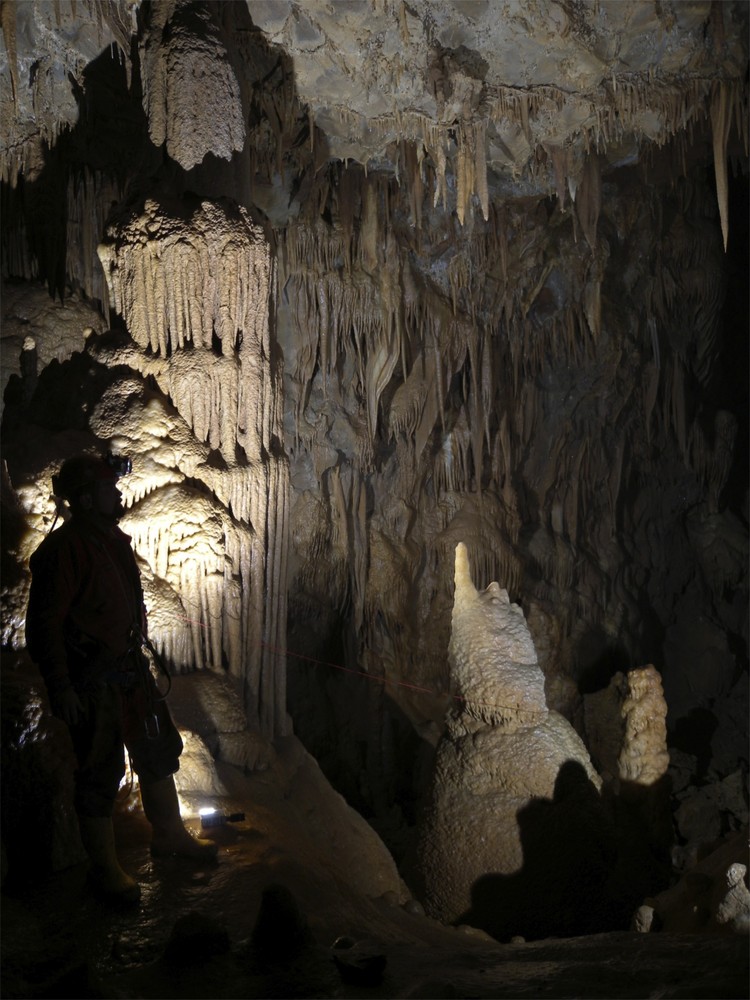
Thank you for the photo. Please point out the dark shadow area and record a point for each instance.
(110, 136)
(693, 734)
(581, 871)
(729, 388)
(366, 746)
(36, 793)
(598, 660)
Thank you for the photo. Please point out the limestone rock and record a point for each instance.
(510, 786)
(712, 897)
(40, 829)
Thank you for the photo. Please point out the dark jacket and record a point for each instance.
(85, 598)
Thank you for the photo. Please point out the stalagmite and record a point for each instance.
(503, 752)
(626, 727)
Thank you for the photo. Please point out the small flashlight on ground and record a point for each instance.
(213, 817)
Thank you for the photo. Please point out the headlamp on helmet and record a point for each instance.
(81, 472)
(121, 465)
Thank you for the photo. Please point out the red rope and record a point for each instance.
(362, 673)
(335, 666)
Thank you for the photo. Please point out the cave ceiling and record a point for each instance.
(533, 85)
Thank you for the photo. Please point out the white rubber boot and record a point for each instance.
(169, 837)
(105, 874)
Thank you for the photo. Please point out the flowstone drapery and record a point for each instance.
(194, 283)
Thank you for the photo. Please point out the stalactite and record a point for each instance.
(8, 24)
(615, 476)
(571, 501)
(560, 170)
(712, 460)
(459, 277)
(326, 339)
(273, 703)
(369, 237)
(347, 202)
(677, 405)
(359, 546)
(90, 196)
(650, 389)
(464, 172)
(412, 157)
(720, 120)
(588, 202)
(17, 259)
(653, 330)
(441, 183)
(478, 416)
(179, 286)
(190, 93)
(381, 363)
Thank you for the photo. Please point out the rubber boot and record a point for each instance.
(105, 874)
(169, 836)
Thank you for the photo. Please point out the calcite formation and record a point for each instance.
(626, 728)
(194, 281)
(186, 66)
(515, 839)
(626, 731)
(449, 269)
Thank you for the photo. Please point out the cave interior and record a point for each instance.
(425, 325)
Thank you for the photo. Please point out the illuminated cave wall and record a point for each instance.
(331, 367)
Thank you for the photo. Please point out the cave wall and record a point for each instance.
(538, 352)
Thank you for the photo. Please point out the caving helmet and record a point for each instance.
(80, 473)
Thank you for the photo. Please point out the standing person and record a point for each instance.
(84, 629)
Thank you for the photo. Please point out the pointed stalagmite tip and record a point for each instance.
(462, 572)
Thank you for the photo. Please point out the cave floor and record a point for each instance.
(59, 940)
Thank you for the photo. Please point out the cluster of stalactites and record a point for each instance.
(351, 301)
(347, 310)
(617, 113)
(90, 194)
(186, 276)
(194, 283)
(222, 621)
(42, 97)
(185, 287)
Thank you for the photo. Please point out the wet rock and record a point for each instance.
(195, 938)
(360, 963)
(281, 932)
(433, 989)
(413, 906)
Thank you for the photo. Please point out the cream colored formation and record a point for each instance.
(194, 283)
(502, 750)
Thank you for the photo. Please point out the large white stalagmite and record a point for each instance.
(193, 281)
